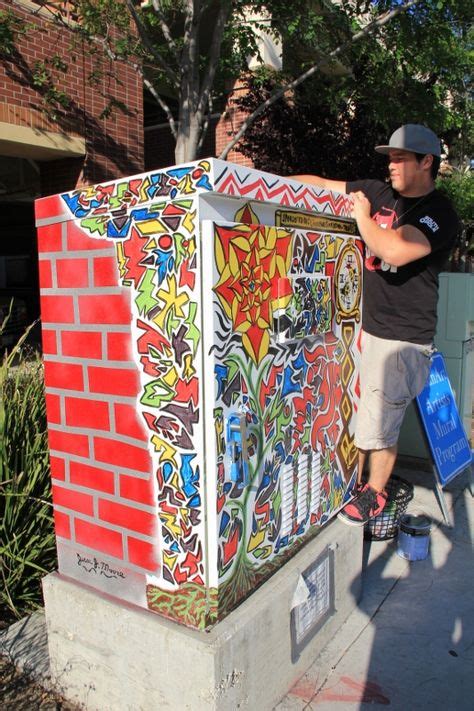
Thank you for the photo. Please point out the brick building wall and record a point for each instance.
(114, 145)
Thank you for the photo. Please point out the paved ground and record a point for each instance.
(409, 645)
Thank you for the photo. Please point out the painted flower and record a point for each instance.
(253, 262)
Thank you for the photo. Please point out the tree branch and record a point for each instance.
(370, 27)
(163, 105)
(165, 28)
(149, 46)
(214, 55)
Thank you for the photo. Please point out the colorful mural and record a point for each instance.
(258, 318)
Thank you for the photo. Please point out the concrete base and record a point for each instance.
(108, 655)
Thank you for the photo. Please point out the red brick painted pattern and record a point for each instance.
(103, 490)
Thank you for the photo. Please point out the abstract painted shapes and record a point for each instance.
(309, 311)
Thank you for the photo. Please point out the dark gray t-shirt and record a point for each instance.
(400, 302)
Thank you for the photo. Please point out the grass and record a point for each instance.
(27, 541)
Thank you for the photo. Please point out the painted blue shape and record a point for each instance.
(165, 264)
(142, 213)
(113, 232)
(203, 182)
(221, 372)
(314, 259)
(72, 201)
(224, 521)
(195, 502)
(300, 363)
(180, 172)
(167, 471)
(189, 478)
(279, 451)
(289, 385)
(175, 548)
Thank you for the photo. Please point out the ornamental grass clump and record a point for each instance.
(27, 543)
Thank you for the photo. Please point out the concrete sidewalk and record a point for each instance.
(408, 645)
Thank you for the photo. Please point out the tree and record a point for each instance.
(187, 49)
(394, 76)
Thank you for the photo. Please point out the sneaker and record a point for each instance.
(366, 504)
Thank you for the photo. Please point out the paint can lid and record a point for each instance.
(416, 524)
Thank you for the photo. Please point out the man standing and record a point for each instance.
(409, 229)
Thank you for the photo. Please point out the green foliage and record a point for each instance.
(459, 187)
(27, 541)
(414, 69)
(11, 27)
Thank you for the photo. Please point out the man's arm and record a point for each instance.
(337, 186)
(396, 247)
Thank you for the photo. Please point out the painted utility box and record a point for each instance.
(200, 329)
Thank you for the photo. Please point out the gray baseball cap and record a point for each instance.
(415, 138)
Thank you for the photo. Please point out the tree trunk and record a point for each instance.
(187, 140)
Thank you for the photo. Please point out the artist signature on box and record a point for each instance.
(98, 567)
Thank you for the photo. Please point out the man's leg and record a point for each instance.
(382, 462)
(360, 466)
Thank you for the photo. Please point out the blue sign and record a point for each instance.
(443, 427)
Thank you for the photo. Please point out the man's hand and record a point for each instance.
(394, 246)
(361, 207)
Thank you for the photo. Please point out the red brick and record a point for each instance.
(121, 454)
(73, 500)
(45, 274)
(113, 381)
(67, 442)
(49, 237)
(87, 413)
(62, 524)
(79, 240)
(53, 408)
(103, 308)
(119, 346)
(105, 271)
(143, 554)
(135, 489)
(57, 309)
(128, 422)
(45, 207)
(48, 338)
(92, 477)
(98, 538)
(58, 468)
(63, 375)
(81, 344)
(72, 273)
(127, 517)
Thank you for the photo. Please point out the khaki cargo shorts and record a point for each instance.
(392, 373)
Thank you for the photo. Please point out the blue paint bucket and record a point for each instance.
(414, 536)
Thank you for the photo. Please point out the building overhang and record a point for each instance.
(38, 144)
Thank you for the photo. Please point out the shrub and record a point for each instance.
(27, 542)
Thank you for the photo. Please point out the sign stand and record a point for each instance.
(444, 431)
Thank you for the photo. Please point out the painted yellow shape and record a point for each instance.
(169, 560)
(256, 540)
(188, 370)
(247, 211)
(171, 377)
(188, 222)
(172, 300)
(150, 227)
(168, 452)
(170, 523)
(121, 259)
